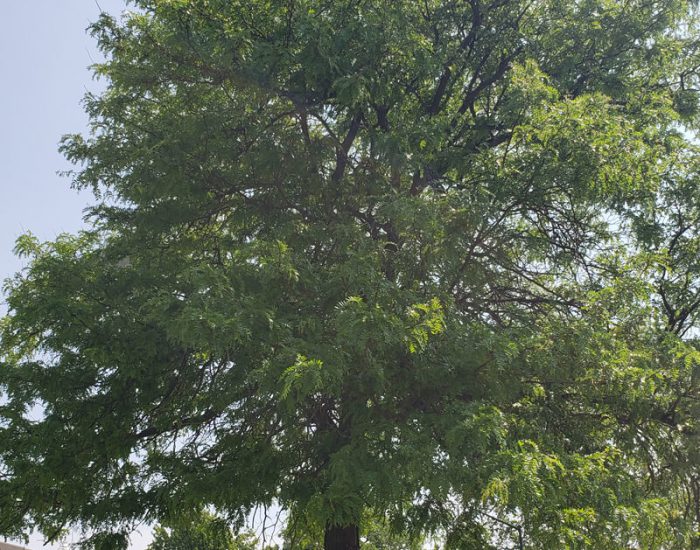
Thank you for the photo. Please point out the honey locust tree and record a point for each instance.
(435, 260)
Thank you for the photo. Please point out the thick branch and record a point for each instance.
(341, 155)
(187, 421)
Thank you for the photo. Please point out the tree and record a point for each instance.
(204, 532)
(436, 259)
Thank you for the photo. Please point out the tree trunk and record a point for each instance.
(337, 537)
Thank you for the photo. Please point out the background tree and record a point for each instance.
(376, 534)
(436, 259)
(204, 532)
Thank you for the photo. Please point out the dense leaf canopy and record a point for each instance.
(436, 258)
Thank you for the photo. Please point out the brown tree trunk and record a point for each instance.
(345, 537)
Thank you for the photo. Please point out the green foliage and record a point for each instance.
(204, 532)
(378, 535)
(435, 261)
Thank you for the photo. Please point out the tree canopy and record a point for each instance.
(435, 259)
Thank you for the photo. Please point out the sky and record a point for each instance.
(44, 58)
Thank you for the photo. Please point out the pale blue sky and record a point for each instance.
(44, 58)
